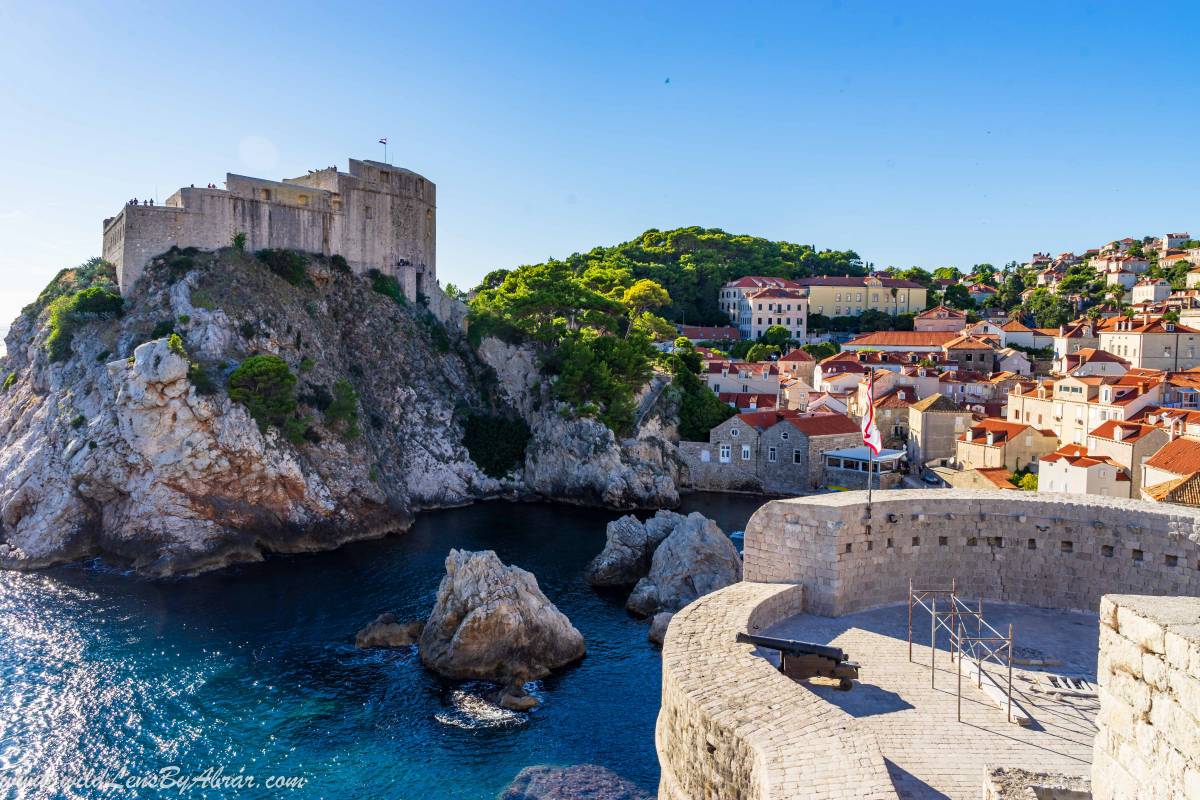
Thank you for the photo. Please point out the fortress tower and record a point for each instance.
(376, 216)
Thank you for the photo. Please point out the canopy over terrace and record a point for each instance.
(857, 458)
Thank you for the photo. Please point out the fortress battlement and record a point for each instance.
(375, 215)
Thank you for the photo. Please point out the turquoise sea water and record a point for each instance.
(252, 671)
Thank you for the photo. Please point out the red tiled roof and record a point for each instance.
(798, 355)
(1181, 456)
(714, 333)
(850, 280)
(999, 476)
(1130, 431)
(761, 420)
(904, 339)
(941, 312)
(824, 424)
(967, 343)
(746, 399)
(1078, 456)
(762, 281)
(1015, 326)
(1001, 429)
(787, 294)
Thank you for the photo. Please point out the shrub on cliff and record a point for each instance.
(387, 286)
(496, 444)
(67, 311)
(95, 272)
(267, 388)
(342, 410)
(287, 264)
(599, 375)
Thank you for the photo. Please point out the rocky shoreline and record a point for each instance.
(126, 444)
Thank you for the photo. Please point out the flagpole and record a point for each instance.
(870, 449)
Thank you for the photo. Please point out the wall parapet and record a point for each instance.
(733, 726)
(1041, 549)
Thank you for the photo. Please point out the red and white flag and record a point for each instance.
(870, 432)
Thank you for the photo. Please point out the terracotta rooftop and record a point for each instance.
(851, 280)
(1078, 456)
(1184, 491)
(798, 355)
(824, 424)
(941, 312)
(763, 281)
(1181, 456)
(998, 476)
(749, 399)
(706, 332)
(1129, 431)
(904, 339)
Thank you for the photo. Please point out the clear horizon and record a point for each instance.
(929, 137)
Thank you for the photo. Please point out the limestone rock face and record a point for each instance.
(658, 627)
(581, 460)
(492, 622)
(629, 547)
(387, 631)
(579, 782)
(116, 451)
(694, 560)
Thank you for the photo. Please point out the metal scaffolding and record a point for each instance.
(987, 645)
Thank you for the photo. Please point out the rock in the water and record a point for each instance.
(580, 782)
(658, 627)
(515, 698)
(629, 548)
(387, 631)
(492, 622)
(697, 558)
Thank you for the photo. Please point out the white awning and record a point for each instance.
(863, 454)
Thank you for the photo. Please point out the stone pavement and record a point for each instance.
(928, 752)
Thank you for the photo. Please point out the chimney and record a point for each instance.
(991, 437)
(1118, 433)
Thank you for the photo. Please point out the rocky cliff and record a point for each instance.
(119, 439)
(579, 460)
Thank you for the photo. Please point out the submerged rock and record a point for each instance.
(696, 559)
(492, 622)
(658, 627)
(515, 698)
(387, 631)
(629, 547)
(579, 782)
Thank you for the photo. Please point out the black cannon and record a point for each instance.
(800, 660)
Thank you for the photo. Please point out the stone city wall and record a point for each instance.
(1148, 740)
(1055, 551)
(711, 475)
(732, 726)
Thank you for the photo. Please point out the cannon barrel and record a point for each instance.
(793, 647)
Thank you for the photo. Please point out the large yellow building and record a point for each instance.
(850, 296)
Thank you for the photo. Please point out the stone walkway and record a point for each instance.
(929, 753)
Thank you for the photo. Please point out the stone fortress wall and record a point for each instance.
(376, 216)
(1054, 551)
(732, 726)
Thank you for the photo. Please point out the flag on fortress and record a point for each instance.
(383, 140)
(870, 432)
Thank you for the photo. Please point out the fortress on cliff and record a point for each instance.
(376, 216)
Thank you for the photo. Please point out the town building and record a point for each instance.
(1152, 343)
(749, 312)
(1091, 361)
(850, 296)
(376, 216)
(1176, 460)
(1073, 470)
(1127, 444)
(934, 425)
(1151, 290)
(1074, 406)
(999, 443)
(742, 377)
(940, 318)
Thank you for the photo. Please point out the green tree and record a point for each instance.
(1029, 482)
(267, 388)
(700, 410)
(955, 296)
(761, 352)
(821, 351)
(946, 274)
(775, 335)
(1048, 309)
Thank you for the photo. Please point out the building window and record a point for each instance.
(745, 452)
(796, 459)
(303, 199)
(771, 455)
(735, 432)
(725, 453)
(266, 195)
(369, 213)
(783, 435)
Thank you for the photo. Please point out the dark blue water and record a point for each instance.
(252, 670)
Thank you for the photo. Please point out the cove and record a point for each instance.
(252, 670)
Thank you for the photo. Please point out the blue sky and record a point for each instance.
(934, 134)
